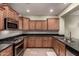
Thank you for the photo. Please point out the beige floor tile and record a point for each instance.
(39, 52)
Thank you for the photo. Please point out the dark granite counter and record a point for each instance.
(8, 33)
(40, 32)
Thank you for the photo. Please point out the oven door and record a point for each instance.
(19, 49)
(10, 24)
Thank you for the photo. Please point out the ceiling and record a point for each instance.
(39, 9)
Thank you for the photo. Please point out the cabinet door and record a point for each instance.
(25, 24)
(38, 25)
(53, 24)
(44, 25)
(7, 52)
(45, 41)
(49, 42)
(20, 24)
(25, 42)
(32, 25)
(31, 42)
(1, 20)
(62, 49)
(38, 42)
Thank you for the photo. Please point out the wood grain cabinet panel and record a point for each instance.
(62, 49)
(47, 42)
(20, 23)
(25, 42)
(44, 25)
(38, 25)
(31, 42)
(53, 24)
(25, 23)
(1, 19)
(38, 42)
(59, 47)
(7, 52)
(32, 25)
(10, 12)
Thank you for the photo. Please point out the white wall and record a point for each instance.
(72, 25)
(61, 26)
(40, 17)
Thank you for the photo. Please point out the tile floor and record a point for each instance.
(39, 52)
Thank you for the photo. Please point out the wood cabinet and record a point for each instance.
(47, 42)
(59, 47)
(62, 50)
(31, 42)
(9, 12)
(38, 42)
(44, 25)
(7, 52)
(25, 42)
(25, 23)
(20, 23)
(38, 25)
(53, 23)
(32, 25)
(1, 18)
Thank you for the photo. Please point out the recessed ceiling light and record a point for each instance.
(65, 3)
(27, 10)
(51, 10)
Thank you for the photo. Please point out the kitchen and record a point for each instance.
(47, 28)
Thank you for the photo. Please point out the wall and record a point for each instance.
(61, 26)
(40, 17)
(72, 25)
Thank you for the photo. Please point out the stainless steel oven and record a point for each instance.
(10, 23)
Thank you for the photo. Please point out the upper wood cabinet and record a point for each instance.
(10, 12)
(25, 23)
(53, 23)
(20, 23)
(44, 25)
(1, 18)
(32, 25)
(38, 25)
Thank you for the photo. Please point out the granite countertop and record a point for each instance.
(74, 44)
(40, 32)
(9, 33)
(4, 46)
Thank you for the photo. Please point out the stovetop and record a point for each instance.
(12, 41)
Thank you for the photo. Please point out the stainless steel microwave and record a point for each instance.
(10, 24)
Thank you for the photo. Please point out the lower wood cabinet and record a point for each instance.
(31, 42)
(47, 42)
(38, 41)
(59, 47)
(25, 42)
(7, 52)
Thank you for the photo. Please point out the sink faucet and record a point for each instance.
(70, 39)
(70, 36)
